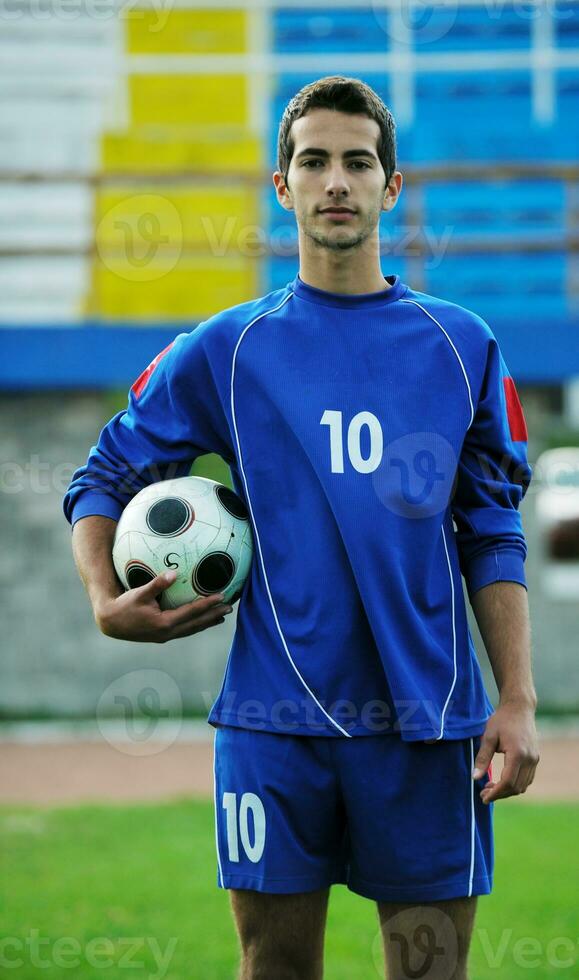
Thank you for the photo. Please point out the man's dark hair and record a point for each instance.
(343, 95)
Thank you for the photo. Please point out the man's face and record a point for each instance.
(336, 183)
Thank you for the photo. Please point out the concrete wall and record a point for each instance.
(54, 660)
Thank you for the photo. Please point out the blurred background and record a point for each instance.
(137, 143)
(136, 150)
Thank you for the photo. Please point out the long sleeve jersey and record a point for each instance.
(380, 447)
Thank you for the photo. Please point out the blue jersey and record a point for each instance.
(380, 447)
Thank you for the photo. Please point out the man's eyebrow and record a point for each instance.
(314, 151)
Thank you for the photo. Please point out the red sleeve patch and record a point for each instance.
(517, 424)
(141, 382)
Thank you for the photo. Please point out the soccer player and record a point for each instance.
(377, 439)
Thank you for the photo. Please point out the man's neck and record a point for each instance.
(351, 273)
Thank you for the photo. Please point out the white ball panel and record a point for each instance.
(214, 529)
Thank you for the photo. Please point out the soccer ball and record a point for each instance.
(195, 526)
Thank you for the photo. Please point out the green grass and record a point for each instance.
(148, 872)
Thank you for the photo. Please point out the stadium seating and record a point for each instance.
(163, 122)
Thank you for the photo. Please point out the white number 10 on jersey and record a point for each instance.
(362, 465)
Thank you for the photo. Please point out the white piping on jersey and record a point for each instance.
(220, 869)
(453, 635)
(271, 602)
(458, 357)
(472, 821)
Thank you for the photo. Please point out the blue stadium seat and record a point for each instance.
(462, 117)
(510, 286)
(452, 27)
(566, 14)
(325, 29)
(499, 208)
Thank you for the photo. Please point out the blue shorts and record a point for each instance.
(394, 821)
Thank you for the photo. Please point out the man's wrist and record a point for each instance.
(522, 699)
(102, 599)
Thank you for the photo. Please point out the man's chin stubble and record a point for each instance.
(338, 245)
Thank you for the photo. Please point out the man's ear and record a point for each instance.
(282, 191)
(392, 191)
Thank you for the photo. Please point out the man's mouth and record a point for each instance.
(338, 213)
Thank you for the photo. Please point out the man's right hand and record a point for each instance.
(136, 614)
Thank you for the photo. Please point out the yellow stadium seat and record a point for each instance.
(179, 250)
(179, 31)
(213, 219)
(177, 100)
(177, 150)
(192, 289)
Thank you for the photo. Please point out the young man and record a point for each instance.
(378, 441)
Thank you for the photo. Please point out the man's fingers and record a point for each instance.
(526, 776)
(506, 786)
(484, 757)
(196, 626)
(157, 585)
(516, 777)
(190, 612)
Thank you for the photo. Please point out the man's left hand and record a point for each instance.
(510, 730)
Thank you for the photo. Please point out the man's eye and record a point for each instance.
(356, 164)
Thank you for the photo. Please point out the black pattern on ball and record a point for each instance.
(138, 575)
(169, 516)
(233, 504)
(213, 573)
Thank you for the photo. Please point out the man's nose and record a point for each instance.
(337, 182)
